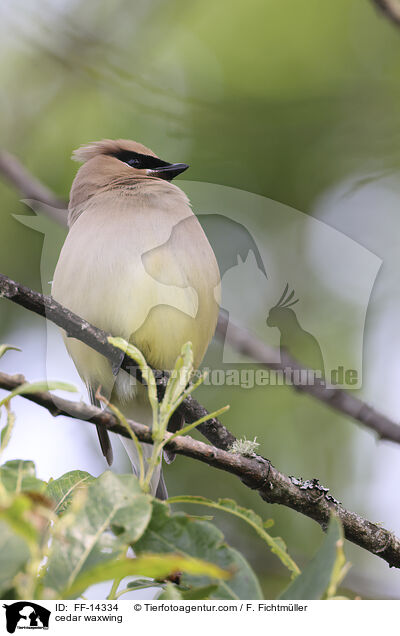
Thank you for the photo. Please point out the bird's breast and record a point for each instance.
(147, 274)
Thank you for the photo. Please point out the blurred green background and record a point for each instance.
(296, 100)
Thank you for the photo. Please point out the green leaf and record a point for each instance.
(19, 518)
(193, 425)
(33, 387)
(276, 544)
(14, 554)
(148, 375)
(314, 580)
(179, 378)
(170, 593)
(18, 476)
(340, 568)
(111, 501)
(199, 539)
(199, 593)
(7, 347)
(5, 435)
(62, 490)
(140, 583)
(154, 566)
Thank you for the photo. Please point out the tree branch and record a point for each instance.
(76, 327)
(390, 8)
(237, 337)
(32, 188)
(307, 497)
(243, 342)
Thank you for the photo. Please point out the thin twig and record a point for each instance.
(390, 8)
(307, 497)
(31, 188)
(342, 401)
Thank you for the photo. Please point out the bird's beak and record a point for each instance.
(168, 172)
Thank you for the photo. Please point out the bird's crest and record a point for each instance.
(286, 299)
(109, 147)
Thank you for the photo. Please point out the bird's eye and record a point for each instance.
(139, 161)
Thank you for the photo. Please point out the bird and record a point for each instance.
(301, 344)
(125, 269)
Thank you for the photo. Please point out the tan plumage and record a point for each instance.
(135, 263)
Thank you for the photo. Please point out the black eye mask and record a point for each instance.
(157, 167)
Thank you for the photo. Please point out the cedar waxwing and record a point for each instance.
(137, 264)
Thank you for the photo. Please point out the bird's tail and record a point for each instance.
(138, 409)
(157, 483)
(102, 433)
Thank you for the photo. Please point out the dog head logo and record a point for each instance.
(26, 615)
